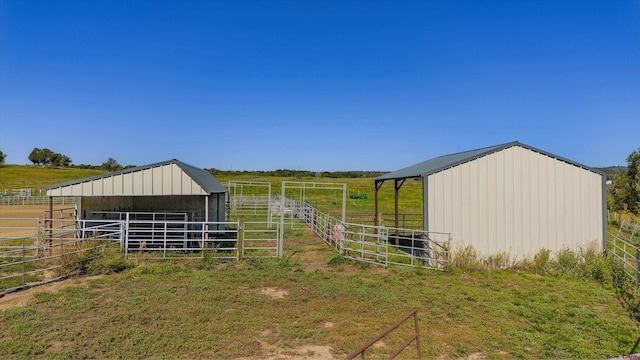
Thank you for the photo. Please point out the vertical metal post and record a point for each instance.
(238, 245)
(50, 223)
(415, 321)
(375, 215)
(282, 197)
(126, 236)
(24, 265)
(269, 216)
(206, 216)
(396, 190)
(344, 203)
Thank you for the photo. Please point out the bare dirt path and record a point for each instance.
(23, 297)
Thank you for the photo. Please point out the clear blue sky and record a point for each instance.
(317, 85)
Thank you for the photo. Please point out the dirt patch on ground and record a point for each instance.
(328, 324)
(23, 297)
(305, 352)
(274, 293)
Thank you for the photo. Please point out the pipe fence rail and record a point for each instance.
(57, 253)
(35, 200)
(624, 246)
(184, 239)
(415, 337)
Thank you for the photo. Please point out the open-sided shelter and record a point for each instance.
(165, 187)
(510, 198)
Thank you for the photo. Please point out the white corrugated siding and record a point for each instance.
(162, 180)
(516, 201)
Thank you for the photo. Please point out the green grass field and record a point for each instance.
(203, 309)
(14, 177)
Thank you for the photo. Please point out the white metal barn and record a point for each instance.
(510, 198)
(169, 187)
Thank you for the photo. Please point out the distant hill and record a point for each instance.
(611, 171)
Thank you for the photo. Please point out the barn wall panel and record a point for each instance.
(96, 187)
(176, 181)
(516, 201)
(147, 181)
(167, 179)
(136, 180)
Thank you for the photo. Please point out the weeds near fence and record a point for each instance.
(107, 259)
(584, 263)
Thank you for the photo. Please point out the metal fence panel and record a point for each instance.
(260, 239)
(623, 246)
(30, 260)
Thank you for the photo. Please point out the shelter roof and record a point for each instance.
(440, 163)
(204, 182)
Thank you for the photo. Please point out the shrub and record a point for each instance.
(108, 260)
(542, 261)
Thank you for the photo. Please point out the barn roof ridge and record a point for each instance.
(443, 162)
(202, 177)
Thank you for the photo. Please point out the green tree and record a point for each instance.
(48, 157)
(633, 172)
(65, 161)
(111, 165)
(35, 156)
(3, 157)
(55, 159)
(625, 193)
(47, 154)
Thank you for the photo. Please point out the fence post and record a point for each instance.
(24, 265)
(239, 243)
(637, 267)
(417, 327)
(126, 236)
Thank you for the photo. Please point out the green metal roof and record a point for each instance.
(434, 165)
(202, 177)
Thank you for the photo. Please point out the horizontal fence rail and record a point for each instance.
(35, 200)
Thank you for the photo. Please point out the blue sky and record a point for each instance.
(317, 85)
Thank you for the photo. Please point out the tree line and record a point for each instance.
(47, 157)
(50, 158)
(299, 173)
(624, 193)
